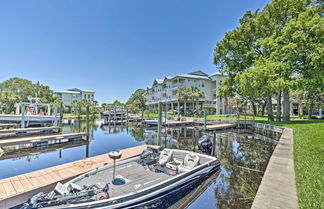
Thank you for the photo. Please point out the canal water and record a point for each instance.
(243, 155)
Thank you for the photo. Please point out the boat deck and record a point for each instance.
(17, 189)
(134, 174)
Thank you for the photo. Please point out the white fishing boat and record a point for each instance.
(130, 183)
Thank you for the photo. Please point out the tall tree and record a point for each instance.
(137, 101)
(9, 99)
(259, 39)
(196, 94)
(183, 95)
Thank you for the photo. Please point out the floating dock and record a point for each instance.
(35, 150)
(8, 125)
(26, 140)
(24, 131)
(220, 126)
(17, 189)
(169, 123)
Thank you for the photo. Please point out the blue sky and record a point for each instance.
(112, 46)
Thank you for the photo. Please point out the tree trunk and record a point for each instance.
(178, 109)
(263, 107)
(310, 112)
(286, 105)
(254, 109)
(269, 108)
(279, 106)
(300, 108)
(185, 108)
(79, 113)
(8, 108)
(310, 109)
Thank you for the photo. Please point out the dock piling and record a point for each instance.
(159, 122)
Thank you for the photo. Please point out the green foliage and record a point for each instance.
(136, 102)
(16, 90)
(282, 45)
(117, 103)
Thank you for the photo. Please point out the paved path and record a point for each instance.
(16, 189)
(278, 187)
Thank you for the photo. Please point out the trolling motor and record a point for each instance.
(62, 195)
(205, 145)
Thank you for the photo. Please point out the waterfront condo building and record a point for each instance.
(71, 95)
(165, 91)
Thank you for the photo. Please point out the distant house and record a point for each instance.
(71, 95)
(165, 91)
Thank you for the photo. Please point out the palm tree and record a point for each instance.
(196, 94)
(183, 95)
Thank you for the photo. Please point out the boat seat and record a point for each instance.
(165, 157)
(190, 161)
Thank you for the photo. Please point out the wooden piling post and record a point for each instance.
(165, 115)
(87, 120)
(22, 116)
(205, 120)
(115, 115)
(159, 122)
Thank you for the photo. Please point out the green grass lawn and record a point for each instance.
(75, 116)
(309, 160)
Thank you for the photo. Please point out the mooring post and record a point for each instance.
(61, 112)
(122, 115)
(87, 120)
(205, 120)
(165, 114)
(159, 122)
(22, 116)
(115, 115)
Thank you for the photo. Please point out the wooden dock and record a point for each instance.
(8, 125)
(17, 189)
(24, 131)
(26, 140)
(220, 126)
(180, 123)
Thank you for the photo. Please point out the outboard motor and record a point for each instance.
(149, 156)
(205, 145)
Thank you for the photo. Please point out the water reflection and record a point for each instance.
(243, 155)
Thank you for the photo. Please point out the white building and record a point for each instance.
(71, 95)
(165, 91)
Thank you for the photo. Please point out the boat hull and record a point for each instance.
(147, 197)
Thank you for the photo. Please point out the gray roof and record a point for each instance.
(67, 92)
(217, 73)
(88, 91)
(197, 74)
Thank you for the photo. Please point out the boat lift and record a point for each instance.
(28, 112)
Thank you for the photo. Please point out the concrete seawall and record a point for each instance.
(278, 186)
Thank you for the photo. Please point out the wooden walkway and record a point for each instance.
(8, 125)
(220, 126)
(180, 123)
(25, 140)
(21, 131)
(11, 188)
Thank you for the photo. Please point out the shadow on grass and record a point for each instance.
(292, 122)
